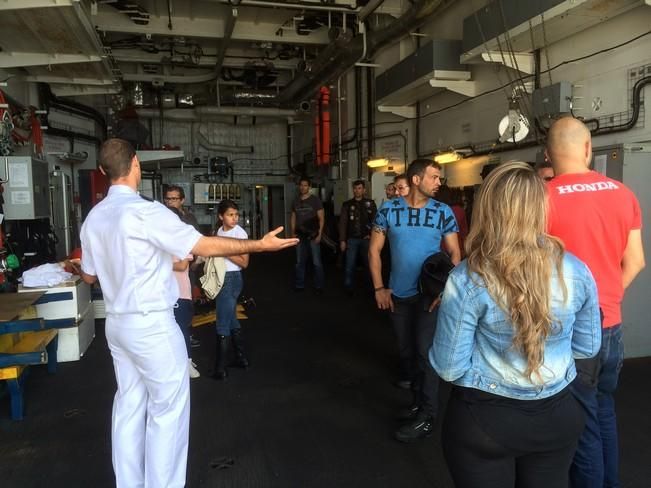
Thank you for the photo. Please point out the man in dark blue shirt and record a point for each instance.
(415, 226)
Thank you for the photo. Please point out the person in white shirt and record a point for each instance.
(226, 301)
(128, 244)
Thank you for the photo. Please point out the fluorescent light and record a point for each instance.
(377, 163)
(448, 157)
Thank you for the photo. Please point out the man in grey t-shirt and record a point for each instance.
(306, 223)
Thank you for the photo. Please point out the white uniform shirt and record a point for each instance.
(128, 243)
(235, 233)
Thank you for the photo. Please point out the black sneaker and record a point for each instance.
(408, 413)
(421, 427)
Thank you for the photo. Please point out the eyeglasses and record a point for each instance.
(171, 199)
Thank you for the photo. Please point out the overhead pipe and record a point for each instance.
(206, 144)
(331, 53)
(67, 134)
(637, 103)
(293, 4)
(201, 113)
(317, 133)
(370, 110)
(368, 9)
(317, 72)
(339, 129)
(358, 118)
(290, 148)
(226, 40)
(50, 100)
(185, 79)
(365, 44)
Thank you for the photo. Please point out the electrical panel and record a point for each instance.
(26, 188)
(216, 192)
(629, 163)
(552, 100)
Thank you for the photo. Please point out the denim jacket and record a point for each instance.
(473, 343)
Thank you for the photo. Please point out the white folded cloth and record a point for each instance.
(46, 275)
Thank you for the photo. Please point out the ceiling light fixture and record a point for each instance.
(447, 157)
(377, 163)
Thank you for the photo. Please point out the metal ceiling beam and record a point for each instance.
(23, 5)
(80, 90)
(109, 20)
(206, 61)
(23, 18)
(68, 80)
(226, 40)
(21, 59)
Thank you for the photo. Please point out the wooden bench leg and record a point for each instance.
(16, 393)
(51, 349)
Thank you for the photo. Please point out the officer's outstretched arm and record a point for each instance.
(225, 246)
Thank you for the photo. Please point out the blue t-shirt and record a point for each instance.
(414, 234)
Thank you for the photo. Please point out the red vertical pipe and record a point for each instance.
(317, 133)
(325, 124)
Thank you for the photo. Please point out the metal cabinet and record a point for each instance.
(26, 187)
(631, 163)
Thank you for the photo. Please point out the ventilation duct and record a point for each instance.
(336, 59)
(409, 80)
(206, 144)
(202, 113)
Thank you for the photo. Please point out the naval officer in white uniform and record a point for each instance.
(128, 244)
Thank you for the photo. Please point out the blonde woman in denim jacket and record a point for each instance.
(513, 317)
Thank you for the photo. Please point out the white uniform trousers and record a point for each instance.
(151, 409)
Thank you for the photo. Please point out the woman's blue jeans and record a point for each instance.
(226, 303)
(183, 312)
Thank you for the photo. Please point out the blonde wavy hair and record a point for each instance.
(509, 249)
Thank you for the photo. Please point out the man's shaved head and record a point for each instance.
(569, 146)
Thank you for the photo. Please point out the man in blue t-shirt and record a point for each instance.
(415, 226)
